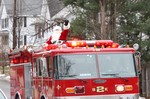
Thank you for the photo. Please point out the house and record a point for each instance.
(55, 6)
(65, 13)
(32, 16)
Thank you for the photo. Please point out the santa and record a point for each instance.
(59, 34)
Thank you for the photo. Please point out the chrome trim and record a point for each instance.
(20, 64)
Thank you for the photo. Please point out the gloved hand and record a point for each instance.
(66, 22)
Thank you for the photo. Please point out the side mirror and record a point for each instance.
(138, 62)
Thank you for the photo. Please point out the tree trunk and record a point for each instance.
(116, 10)
(3, 70)
(112, 8)
(102, 4)
(113, 20)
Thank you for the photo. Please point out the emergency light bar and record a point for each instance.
(84, 43)
(97, 43)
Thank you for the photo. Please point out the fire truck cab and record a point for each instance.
(93, 69)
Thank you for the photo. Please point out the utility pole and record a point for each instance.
(14, 26)
(19, 20)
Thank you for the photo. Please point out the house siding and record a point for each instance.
(34, 11)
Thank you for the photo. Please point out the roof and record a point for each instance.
(55, 6)
(24, 7)
(64, 13)
(82, 50)
(33, 7)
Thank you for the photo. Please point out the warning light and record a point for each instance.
(25, 59)
(79, 89)
(85, 43)
(128, 87)
(50, 46)
(70, 90)
(90, 43)
(76, 43)
(76, 90)
(115, 45)
(120, 88)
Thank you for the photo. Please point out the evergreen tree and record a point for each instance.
(127, 21)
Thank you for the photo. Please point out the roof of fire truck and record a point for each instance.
(84, 46)
(77, 46)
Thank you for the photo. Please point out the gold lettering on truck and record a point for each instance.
(100, 89)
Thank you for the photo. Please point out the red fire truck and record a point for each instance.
(92, 69)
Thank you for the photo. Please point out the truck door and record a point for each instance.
(28, 80)
(42, 79)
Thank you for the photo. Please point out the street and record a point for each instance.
(5, 86)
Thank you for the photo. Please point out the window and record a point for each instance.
(21, 40)
(116, 65)
(44, 67)
(75, 66)
(5, 23)
(50, 66)
(103, 65)
(37, 67)
(40, 67)
(25, 22)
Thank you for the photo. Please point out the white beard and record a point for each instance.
(55, 36)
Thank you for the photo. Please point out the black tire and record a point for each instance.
(42, 97)
(17, 97)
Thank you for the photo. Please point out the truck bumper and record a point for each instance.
(120, 96)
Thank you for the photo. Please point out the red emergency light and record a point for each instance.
(50, 46)
(93, 43)
(76, 43)
(115, 45)
(19, 60)
(84, 43)
(14, 60)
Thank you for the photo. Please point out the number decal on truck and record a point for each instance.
(100, 89)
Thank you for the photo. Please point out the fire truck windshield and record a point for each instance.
(117, 64)
(73, 66)
(84, 66)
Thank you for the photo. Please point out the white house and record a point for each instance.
(32, 17)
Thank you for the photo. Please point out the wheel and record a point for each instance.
(42, 97)
(17, 97)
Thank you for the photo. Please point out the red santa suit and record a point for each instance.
(59, 34)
